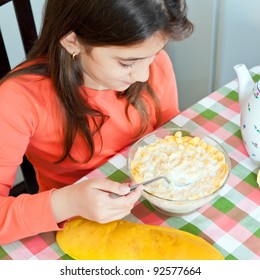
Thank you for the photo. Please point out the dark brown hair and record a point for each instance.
(99, 23)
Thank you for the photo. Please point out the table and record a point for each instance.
(231, 222)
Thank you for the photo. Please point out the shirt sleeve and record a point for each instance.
(25, 215)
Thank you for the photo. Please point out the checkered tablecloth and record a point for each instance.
(231, 222)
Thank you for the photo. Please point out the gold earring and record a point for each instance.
(73, 56)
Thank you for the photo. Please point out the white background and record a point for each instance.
(210, 270)
(227, 32)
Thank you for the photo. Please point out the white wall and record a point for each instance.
(193, 58)
(227, 32)
(238, 38)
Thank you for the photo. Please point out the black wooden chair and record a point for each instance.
(28, 33)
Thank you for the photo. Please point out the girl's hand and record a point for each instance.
(91, 199)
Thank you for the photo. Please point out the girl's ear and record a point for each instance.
(70, 43)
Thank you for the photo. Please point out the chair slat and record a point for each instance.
(2, 2)
(4, 65)
(25, 18)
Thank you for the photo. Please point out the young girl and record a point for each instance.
(96, 80)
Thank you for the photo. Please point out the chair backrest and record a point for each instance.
(27, 28)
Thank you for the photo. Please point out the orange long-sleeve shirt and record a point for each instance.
(31, 122)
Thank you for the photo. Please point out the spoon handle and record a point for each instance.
(114, 195)
(150, 181)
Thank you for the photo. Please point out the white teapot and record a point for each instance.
(249, 99)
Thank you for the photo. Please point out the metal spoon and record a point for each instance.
(151, 181)
(114, 195)
(159, 178)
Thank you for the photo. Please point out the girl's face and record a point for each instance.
(117, 67)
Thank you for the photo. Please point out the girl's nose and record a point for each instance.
(141, 72)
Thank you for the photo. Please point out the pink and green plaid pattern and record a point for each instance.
(231, 222)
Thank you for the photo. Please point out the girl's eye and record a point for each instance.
(127, 65)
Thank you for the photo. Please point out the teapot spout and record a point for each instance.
(245, 82)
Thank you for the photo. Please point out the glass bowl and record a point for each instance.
(173, 199)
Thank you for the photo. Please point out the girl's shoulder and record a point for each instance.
(25, 85)
(28, 95)
(163, 60)
(161, 70)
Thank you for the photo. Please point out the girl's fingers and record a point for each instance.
(124, 202)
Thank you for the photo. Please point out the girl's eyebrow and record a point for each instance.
(134, 58)
(129, 58)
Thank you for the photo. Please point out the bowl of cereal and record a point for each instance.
(195, 165)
